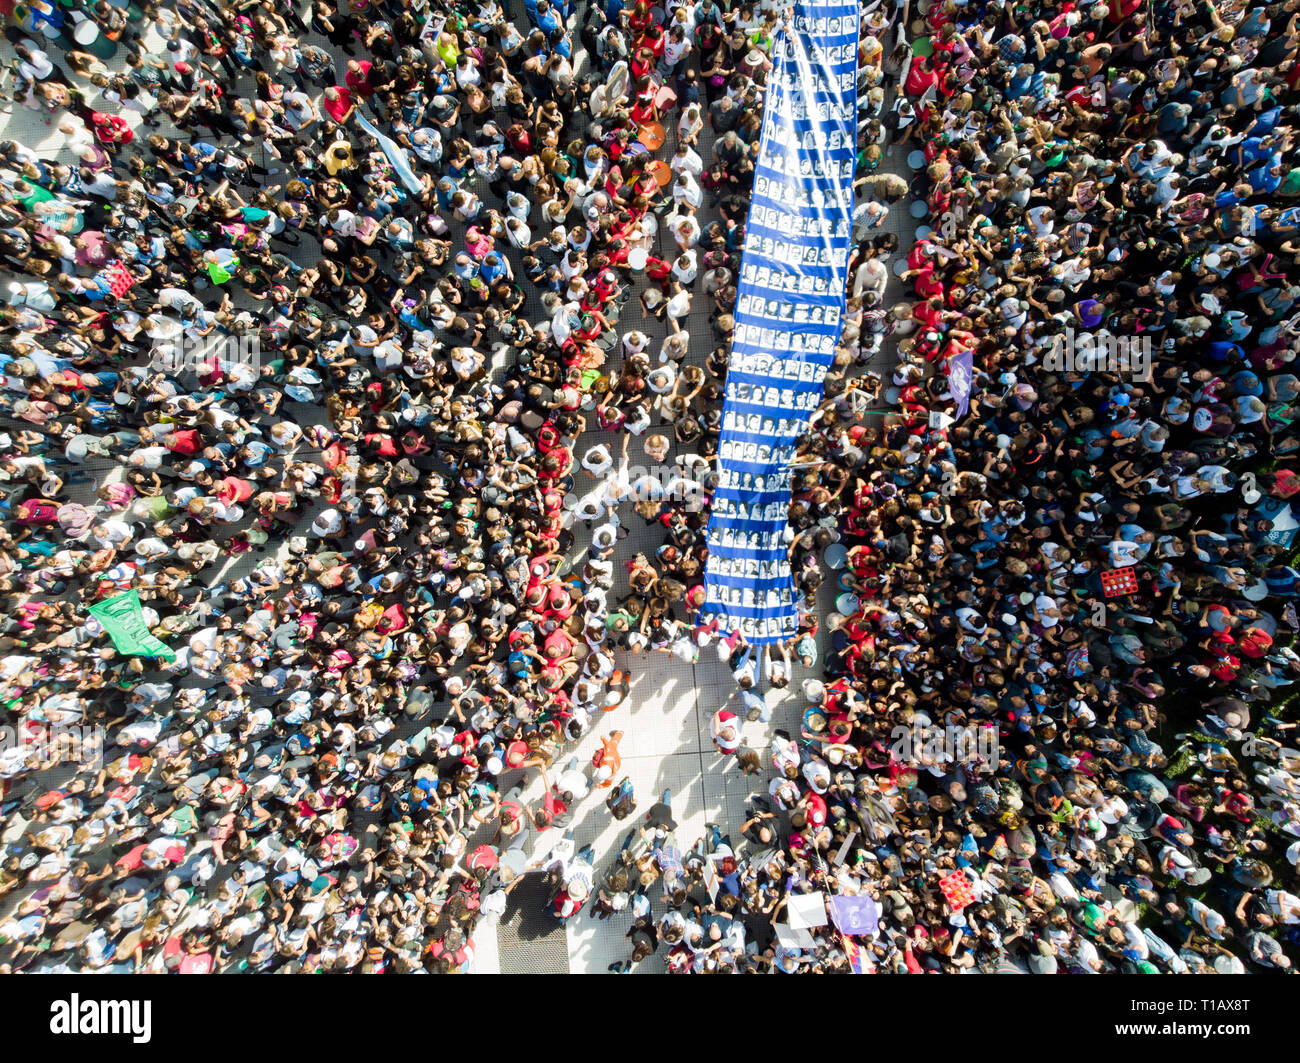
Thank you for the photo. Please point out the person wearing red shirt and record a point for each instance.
(337, 102)
(642, 63)
(640, 18)
(654, 40)
(1224, 666)
(926, 284)
(929, 313)
(920, 77)
(358, 78)
(1255, 641)
(552, 812)
(520, 139)
(658, 270)
(644, 110)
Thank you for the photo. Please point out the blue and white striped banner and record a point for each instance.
(789, 312)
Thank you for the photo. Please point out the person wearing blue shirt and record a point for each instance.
(1227, 198)
(1020, 82)
(1255, 24)
(207, 157)
(1223, 351)
(256, 453)
(1247, 383)
(707, 11)
(445, 189)
(1282, 581)
(1265, 122)
(1254, 148)
(1173, 118)
(1265, 179)
(755, 706)
(547, 20)
(423, 792)
(493, 268)
(465, 268)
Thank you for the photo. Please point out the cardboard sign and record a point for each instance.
(711, 880)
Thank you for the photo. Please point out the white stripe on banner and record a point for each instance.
(395, 154)
(789, 312)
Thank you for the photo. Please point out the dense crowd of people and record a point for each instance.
(368, 293)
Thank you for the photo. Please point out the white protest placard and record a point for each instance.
(790, 938)
(806, 909)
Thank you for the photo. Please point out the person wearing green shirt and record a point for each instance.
(1290, 185)
(182, 820)
(1092, 917)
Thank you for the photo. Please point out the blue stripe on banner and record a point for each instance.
(789, 313)
(786, 102)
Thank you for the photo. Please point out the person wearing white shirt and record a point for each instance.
(1284, 906)
(686, 267)
(573, 781)
(1043, 219)
(676, 47)
(519, 235)
(1124, 553)
(686, 160)
(33, 63)
(685, 230)
(687, 191)
(678, 307)
(1085, 953)
(634, 343)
